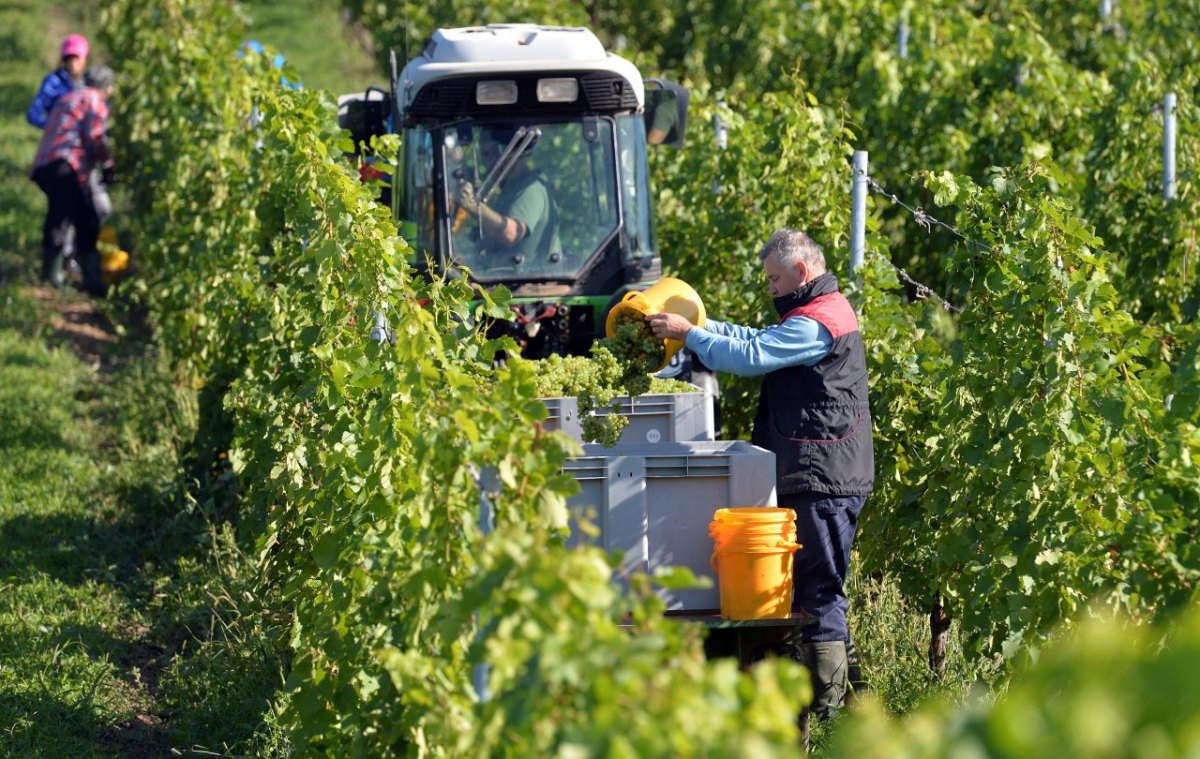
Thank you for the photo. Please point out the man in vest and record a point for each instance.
(814, 416)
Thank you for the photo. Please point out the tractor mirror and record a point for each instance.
(666, 112)
(364, 114)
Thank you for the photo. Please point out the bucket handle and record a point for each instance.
(790, 547)
(633, 295)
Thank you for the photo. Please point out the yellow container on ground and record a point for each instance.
(113, 260)
(752, 556)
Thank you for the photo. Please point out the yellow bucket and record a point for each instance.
(666, 296)
(113, 260)
(752, 558)
(750, 535)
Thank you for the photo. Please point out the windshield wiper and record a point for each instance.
(522, 139)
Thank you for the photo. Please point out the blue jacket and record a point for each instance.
(56, 84)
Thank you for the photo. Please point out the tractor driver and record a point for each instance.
(522, 219)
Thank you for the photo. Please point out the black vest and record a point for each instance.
(816, 419)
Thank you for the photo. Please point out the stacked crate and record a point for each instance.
(653, 494)
(672, 418)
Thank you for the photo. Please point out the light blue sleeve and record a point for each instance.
(725, 329)
(749, 352)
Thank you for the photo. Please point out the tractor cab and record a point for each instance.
(523, 164)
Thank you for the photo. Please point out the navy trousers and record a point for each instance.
(825, 526)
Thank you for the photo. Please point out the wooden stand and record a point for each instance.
(750, 640)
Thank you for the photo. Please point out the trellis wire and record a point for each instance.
(921, 217)
(858, 225)
(923, 290)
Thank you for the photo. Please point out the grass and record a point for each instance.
(132, 622)
(312, 37)
(892, 638)
(128, 619)
(23, 64)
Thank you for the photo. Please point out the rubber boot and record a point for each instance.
(52, 269)
(93, 279)
(826, 662)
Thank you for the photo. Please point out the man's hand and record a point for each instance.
(467, 199)
(672, 326)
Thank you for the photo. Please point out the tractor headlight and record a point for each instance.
(565, 90)
(500, 92)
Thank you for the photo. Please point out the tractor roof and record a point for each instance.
(520, 49)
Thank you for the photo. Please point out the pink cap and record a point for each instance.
(76, 44)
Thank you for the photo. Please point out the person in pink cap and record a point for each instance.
(66, 77)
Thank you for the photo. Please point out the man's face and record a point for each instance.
(491, 150)
(781, 279)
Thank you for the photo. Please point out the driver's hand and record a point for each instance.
(467, 199)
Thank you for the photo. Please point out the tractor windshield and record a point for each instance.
(530, 201)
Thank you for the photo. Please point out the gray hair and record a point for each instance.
(789, 246)
(100, 77)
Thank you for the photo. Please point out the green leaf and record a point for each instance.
(326, 550)
(679, 578)
(945, 188)
(1047, 556)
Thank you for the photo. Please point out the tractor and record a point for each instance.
(524, 164)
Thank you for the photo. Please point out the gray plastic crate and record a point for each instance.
(654, 503)
(667, 418)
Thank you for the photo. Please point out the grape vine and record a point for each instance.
(362, 464)
(1035, 453)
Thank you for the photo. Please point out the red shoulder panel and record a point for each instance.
(833, 312)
